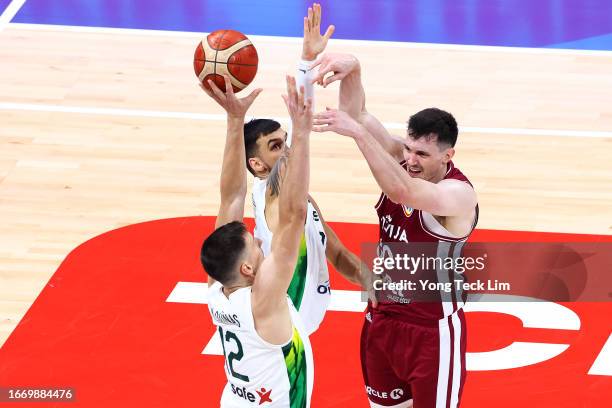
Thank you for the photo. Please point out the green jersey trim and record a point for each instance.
(298, 282)
(295, 360)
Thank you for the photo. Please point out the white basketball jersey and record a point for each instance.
(309, 289)
(260, 373)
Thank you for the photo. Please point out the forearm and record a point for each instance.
(233, 170)
(348, 265)
(352, 101)
(293, 196)
(352, 95)
(392, 178)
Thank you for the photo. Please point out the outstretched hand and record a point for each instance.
(340, 65)
(235, 107)
(314, 43)
(334, 120)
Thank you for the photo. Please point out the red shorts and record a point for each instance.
(401, 360)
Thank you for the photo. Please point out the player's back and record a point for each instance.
(259, 372)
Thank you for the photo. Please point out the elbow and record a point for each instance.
(299, 211)
(294, 213)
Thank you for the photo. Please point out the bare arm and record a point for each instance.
(446, 198)
(313, 44)
(233, 172)
(276, 272)
(346, 263)
(347, 69)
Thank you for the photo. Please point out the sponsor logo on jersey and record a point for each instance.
(324, 289)
(264, 395)
(407, 210)
(394, 394)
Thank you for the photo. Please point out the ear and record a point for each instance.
(257, 165)
(247, 270)
(448, 154)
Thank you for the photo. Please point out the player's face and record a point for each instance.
(424, 157)
(270, 148)
(255, 253)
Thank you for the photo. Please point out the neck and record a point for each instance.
(441, 173)
(228, 290)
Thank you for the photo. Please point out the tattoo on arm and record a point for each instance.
(275, 177)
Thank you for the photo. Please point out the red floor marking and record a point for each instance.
(102, 326)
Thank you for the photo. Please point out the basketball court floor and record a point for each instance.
(109, 161)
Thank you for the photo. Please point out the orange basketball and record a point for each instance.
(226, 52)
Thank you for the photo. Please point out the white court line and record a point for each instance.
(197, 293)
(8, 106)
(9, 12)
(298, 40)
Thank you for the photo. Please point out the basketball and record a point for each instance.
(226, 52)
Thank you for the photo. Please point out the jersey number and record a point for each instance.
(232, 356)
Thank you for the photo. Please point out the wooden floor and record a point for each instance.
(67, 176)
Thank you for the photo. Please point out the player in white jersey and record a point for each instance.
(265, 144)
(268, 360)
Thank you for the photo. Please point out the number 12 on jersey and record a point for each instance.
(229, 358)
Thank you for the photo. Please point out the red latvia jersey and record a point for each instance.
(401, 223)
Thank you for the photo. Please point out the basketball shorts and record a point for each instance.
(402, 361)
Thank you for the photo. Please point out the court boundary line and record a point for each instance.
(10, 12)
(291, 40)
(93, 110)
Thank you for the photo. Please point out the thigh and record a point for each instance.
(439, 377)
(383, 386)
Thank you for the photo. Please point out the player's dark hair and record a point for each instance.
(253, 130)
(221, 251)
(434, 120)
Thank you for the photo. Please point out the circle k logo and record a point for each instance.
(396, 393)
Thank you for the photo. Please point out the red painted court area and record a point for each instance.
(103, 327)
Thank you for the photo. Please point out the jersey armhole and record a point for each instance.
(258, 336)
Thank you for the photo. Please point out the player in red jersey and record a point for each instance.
(410, 352)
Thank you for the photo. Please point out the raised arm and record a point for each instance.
(348, 264)
(276, 271)
(233, 172)
(446, 198)
(347, 69)
(313, 44)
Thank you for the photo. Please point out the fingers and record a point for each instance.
(253, 95)
(324, 69)
(306, 27)
(310, 18)
(316, 15)
(216, 91)
(308, 105)
(300, 97)
(205, 89)
(328, 33)
(229, 90)
(322, 121)
(321, 129)
(291, 91)
(317, 62)
(331, 79)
